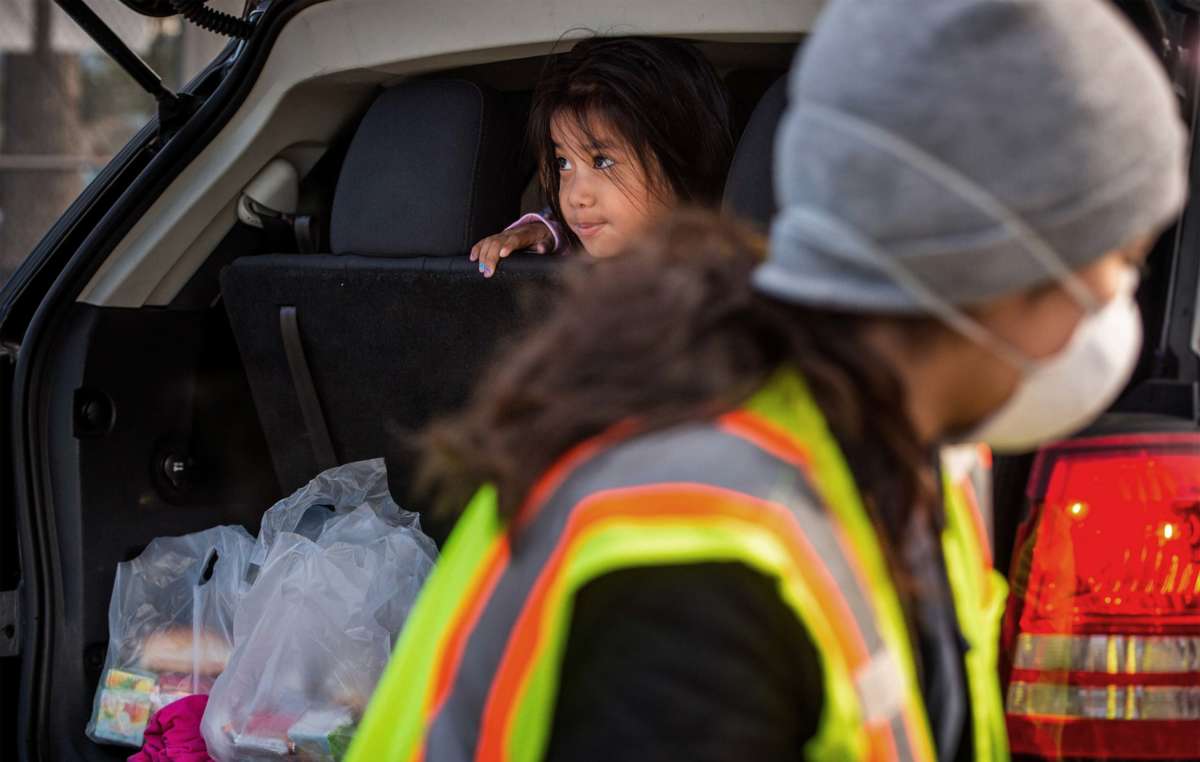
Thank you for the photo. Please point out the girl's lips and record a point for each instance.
(588, 229)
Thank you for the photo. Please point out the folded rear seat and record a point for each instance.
(396, 324)
(349, 352)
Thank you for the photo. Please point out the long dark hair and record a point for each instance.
(672, 331)
(662, 98)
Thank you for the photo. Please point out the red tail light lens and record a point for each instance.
(1102, 633)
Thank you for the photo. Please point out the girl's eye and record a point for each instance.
(564, 164)
(602, 162)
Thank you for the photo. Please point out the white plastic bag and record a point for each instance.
(316, 629)
(334, 492)
(170, 627)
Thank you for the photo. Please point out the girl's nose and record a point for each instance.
(580, 194)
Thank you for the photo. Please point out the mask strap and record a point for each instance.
(820, 227)
(962, 186)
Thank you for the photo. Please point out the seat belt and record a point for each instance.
(306, 391)
(304, 228)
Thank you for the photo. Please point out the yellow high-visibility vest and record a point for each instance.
(476, 671)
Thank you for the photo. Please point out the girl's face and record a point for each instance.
(606, 196)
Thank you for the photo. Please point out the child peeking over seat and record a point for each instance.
(623, 129)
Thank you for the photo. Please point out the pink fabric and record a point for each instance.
(554, 231)
(173, 734)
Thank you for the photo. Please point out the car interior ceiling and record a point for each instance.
(198, 414)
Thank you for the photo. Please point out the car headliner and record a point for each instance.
(327, 63)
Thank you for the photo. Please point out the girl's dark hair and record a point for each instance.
(661, 97)
(671, 331)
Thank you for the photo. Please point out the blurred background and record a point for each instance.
(66, 108)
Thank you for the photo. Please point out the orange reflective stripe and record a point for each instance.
(766, 436)
(882, 743)
(451, 648)
(660, 502)
(985, 455)
(563, 467)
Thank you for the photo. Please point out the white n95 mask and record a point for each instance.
(1061, 394)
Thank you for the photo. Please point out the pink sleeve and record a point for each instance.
(549, 223)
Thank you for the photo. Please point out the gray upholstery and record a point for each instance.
(434, 166)
(749, 190)
(391, 343)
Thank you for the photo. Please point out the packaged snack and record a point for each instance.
(322, 735)
(264, 736)
(122, 714)
(128, 680)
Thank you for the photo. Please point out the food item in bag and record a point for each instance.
(322, 735)
(129, 680)
(264, 736)
(170, 623)
(126, 702)
(315, 630)
(173, 686)
(177, 650)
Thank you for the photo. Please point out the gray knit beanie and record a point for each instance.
(966, 149)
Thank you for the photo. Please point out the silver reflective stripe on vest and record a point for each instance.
(904, 750)
(694, 454)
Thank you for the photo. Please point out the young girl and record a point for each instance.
(623, 129)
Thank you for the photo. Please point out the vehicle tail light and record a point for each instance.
(1102, 634)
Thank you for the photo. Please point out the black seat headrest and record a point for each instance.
(750, 187)
(432, 168)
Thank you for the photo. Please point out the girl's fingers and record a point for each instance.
(488, 258)
(492, 249)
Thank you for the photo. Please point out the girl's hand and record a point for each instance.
(492, 249)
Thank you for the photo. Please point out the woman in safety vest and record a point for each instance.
(708, 522)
